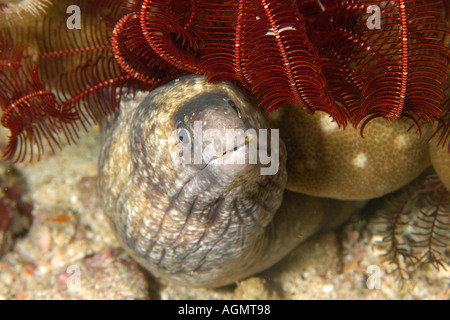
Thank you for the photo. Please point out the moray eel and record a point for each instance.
(200, 216)
(201, 191)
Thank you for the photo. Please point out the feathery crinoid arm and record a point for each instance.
(55, 78)
(320, 55)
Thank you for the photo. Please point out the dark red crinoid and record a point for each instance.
(319, 54)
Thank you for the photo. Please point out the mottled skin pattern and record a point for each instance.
(205, 224)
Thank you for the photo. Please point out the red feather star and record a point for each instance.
(321, 55)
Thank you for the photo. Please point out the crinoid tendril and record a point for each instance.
(55, 79)
(14, 11)
(417, 226)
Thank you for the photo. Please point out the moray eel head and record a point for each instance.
(183, 182)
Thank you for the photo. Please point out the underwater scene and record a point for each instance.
(224, 149)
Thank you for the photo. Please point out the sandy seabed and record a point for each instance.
(70, 252)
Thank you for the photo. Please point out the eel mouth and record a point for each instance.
(229, 152)
(237, 157)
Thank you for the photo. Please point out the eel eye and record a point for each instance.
(183, 133)
(233, 106)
